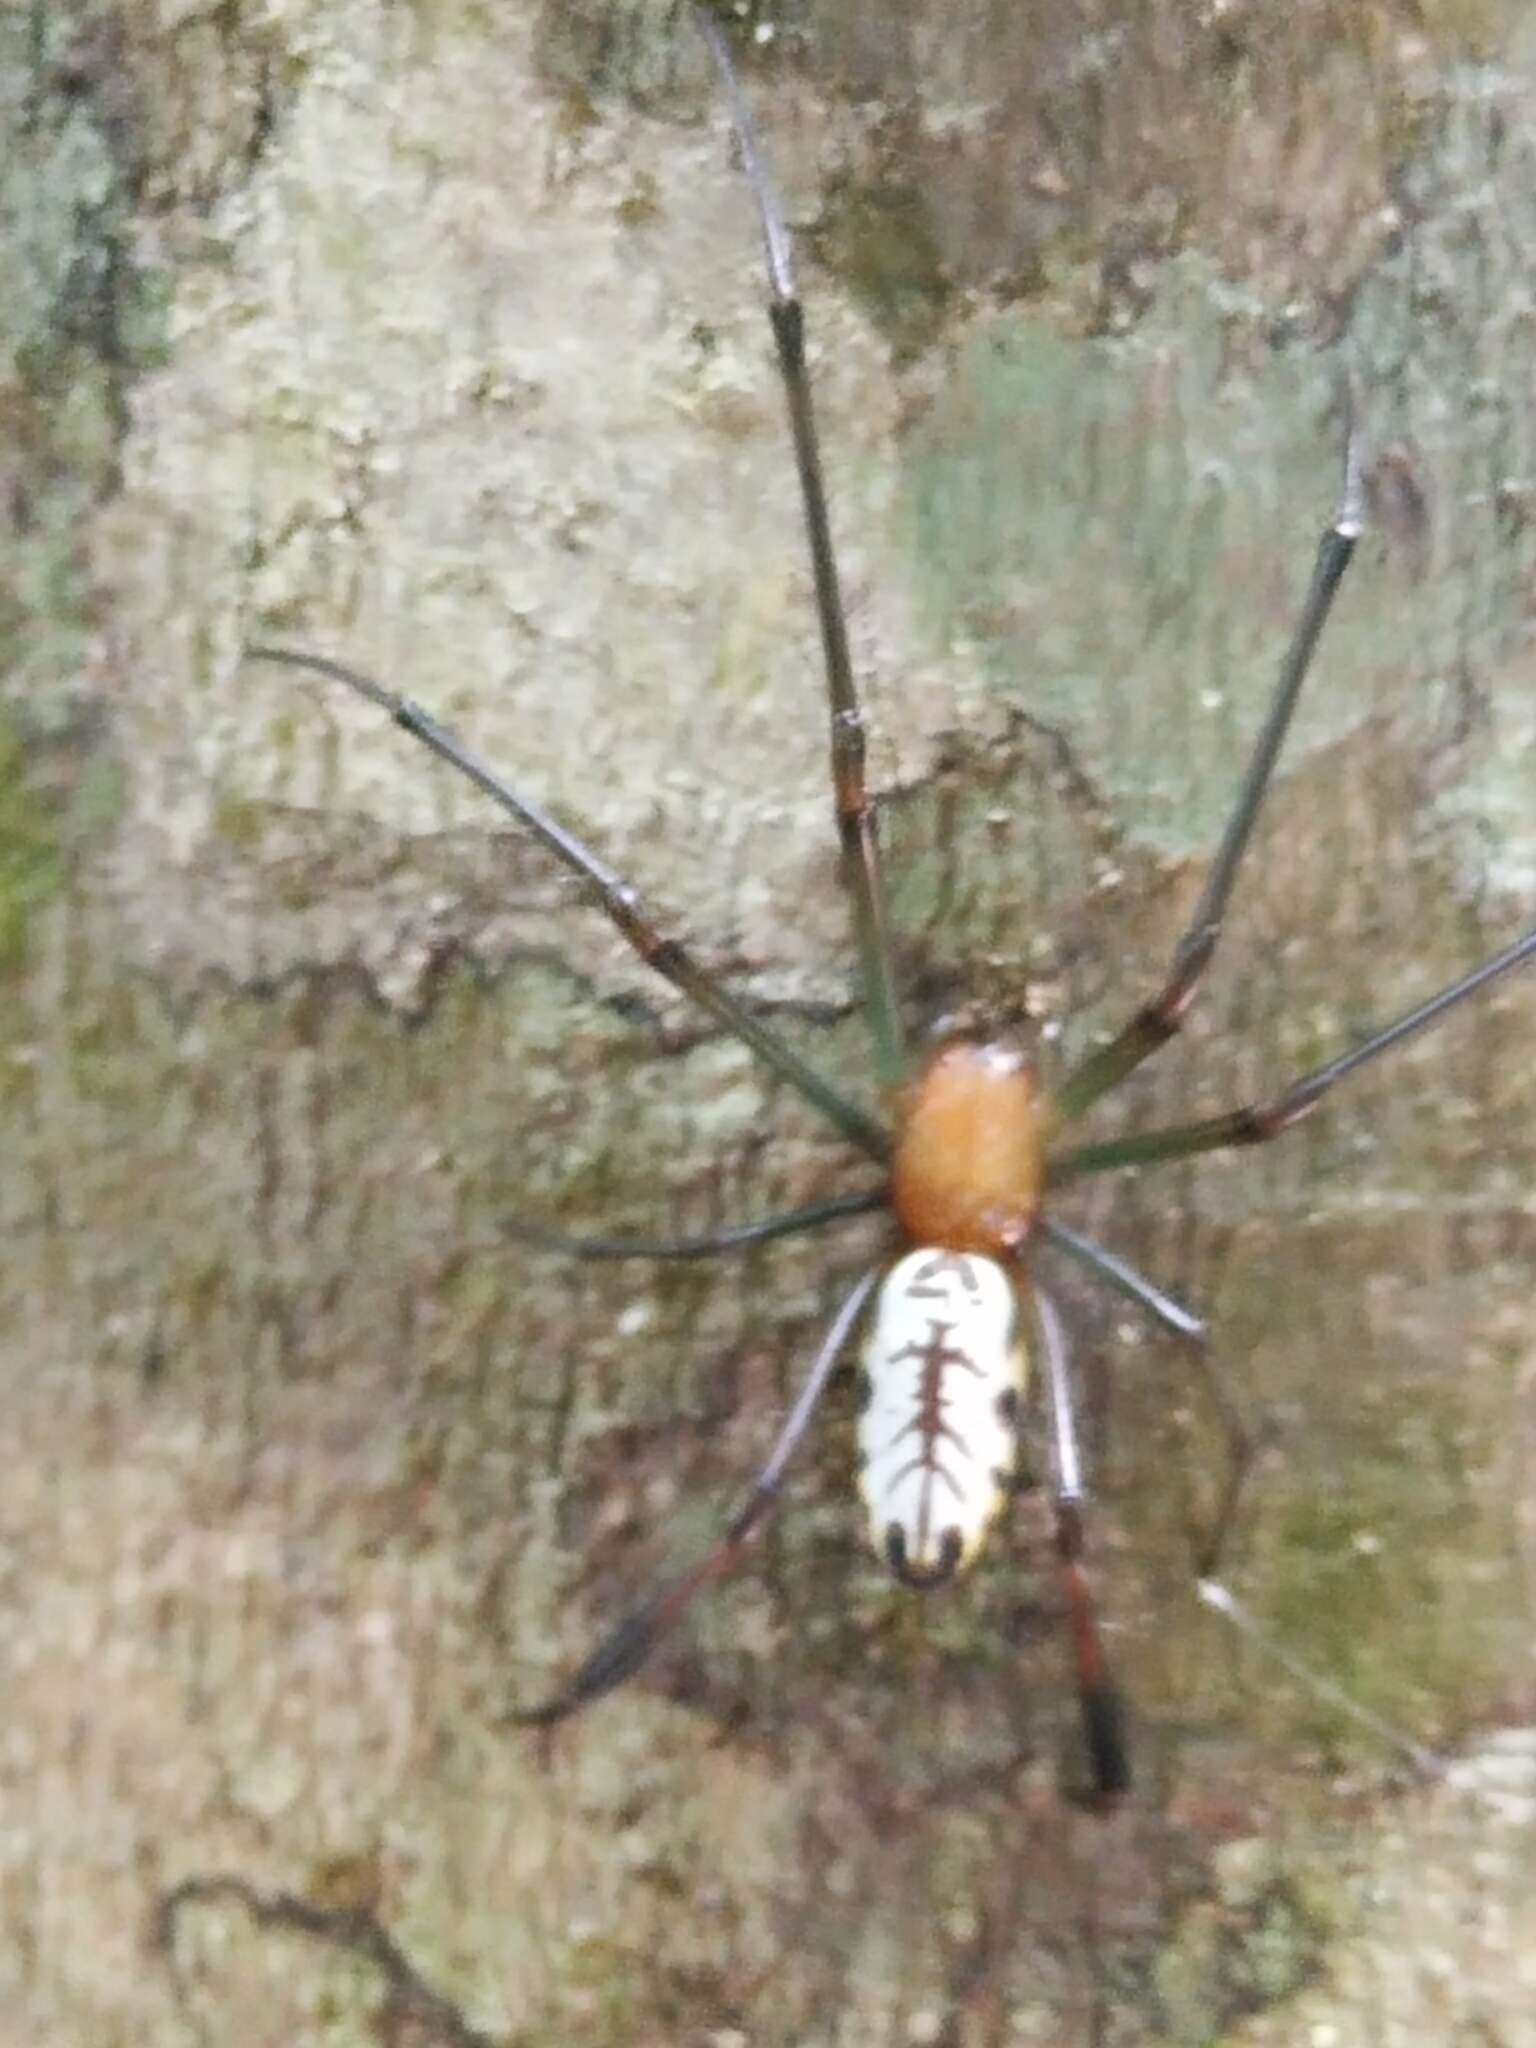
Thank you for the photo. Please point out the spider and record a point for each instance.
(969, 1143)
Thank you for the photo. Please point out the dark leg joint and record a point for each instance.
(663, 956)
(411, 717)
(788, 327)
(1155, 1023)
(743, 1524)
(848, 762)
(1069, 1533)
(853, 829)
(1267, 1120)
(853, 815)
(1109, 1762)
(1288, 1109)
(1189, 964)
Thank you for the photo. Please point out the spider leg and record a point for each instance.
(616, 897)
(855, 812)
(813, 1217)
(1244, 1449)
(1214, 1593)
(632, 1642)
(1257, 1122)
(1243, 1446)
(1120, 1274)
(1103, 1709)
(1156, 1022)
(1222, 1600)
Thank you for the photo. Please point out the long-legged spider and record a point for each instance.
(969, 1143)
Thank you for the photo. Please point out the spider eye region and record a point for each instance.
(969, 1162)
(946, 1369)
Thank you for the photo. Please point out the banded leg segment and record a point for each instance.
(1156, 1022)
(855, 813)
(614, 896)
(632, 1642)
(1256, 1123)
(1099, 1699)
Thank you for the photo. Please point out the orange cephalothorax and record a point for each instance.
(969, 1160)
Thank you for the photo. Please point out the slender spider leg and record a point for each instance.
(1244, 1446)
(1156, 1022)
(1222, 1600)
(1214, 1593)
(1244, 1450)
(616, 897)
(815, 1216)
(856, 826)
(1103, 1710)
(1257, 1122)
(1173, 1315)
(632, 1642)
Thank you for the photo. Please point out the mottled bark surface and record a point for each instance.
(430, 337)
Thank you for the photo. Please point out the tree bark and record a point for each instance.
(431, 338)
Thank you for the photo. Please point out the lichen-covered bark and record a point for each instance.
(431, 337)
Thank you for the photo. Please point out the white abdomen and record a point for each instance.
(946, 1367)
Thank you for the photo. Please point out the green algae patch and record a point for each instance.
(32, 860)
